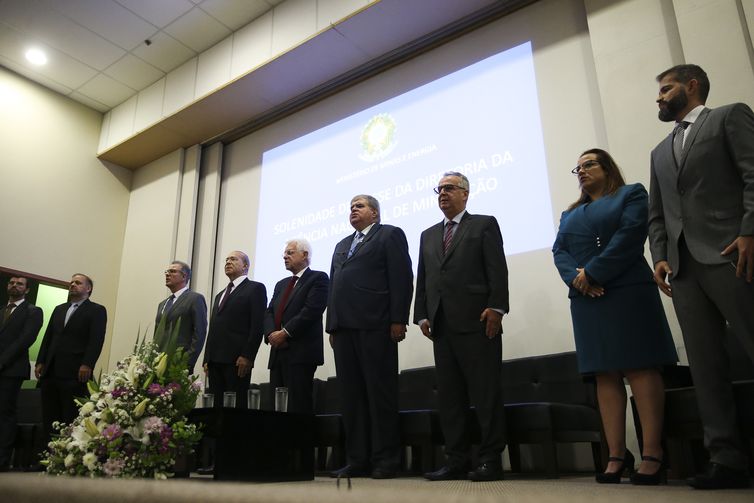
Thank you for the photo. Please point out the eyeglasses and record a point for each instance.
(447, 188)
(586, 166)
(173, 271)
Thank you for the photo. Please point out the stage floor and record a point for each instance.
(40, 488)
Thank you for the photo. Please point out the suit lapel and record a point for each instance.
(698, 124)
(372, 232)
(457, 237)
(307, 276)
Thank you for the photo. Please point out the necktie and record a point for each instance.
(225, 297)
(283, 302)
(69, 313)
(448, 236)
(678, 134)
(168, 304)
(356, 240)
(6, 313)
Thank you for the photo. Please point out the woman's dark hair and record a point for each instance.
(612, 173)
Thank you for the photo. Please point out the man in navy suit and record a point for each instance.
(293, 326)
(70, 348)
(461, 296)
(184, 306)
(235, 331)
(20, 322)
(701, 235)
(367, 313)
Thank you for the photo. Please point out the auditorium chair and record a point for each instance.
(419, 421)
(329, 432)
(547, 402)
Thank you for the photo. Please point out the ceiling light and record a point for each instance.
(36, 56)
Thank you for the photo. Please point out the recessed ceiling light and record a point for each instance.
(36, 56)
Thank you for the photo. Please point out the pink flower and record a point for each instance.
(113, 467)
(111, 432)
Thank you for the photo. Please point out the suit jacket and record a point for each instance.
(709, 196)
(191, 309)
(606, 238)
(470, 277)
(236, 329)
(66, 347)
(16, 336)
(302, 317)
(371, 289)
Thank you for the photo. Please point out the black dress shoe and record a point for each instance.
(349, 471)
(384, 472)
(719, 476)
(651, 479)
(447, 473)
(206, 470)
(487, 472)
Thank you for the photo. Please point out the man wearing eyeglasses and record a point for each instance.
(184, 306)
(461, 296)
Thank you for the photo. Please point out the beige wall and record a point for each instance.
(63, 211)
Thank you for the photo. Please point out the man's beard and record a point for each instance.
(673, 107)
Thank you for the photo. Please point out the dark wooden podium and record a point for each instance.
(259, 445)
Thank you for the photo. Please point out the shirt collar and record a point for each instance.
(366, 229)
(456, 219)
(693, 115)
(180, 292)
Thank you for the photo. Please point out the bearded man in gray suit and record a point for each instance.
(701, 232)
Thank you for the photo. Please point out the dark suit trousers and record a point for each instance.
(704, 297)
(298, 378)
(58, 404)
(224, 377)
(469, 367)
(366, 362)
(9, 389)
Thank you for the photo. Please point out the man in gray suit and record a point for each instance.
(701, 232)
(185, 306)
(461, 296)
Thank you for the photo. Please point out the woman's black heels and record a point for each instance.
(627, 465)
(651, 479)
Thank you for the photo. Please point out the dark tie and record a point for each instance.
(7, 311)
(356, 240)
(678, 133)
(168, 304)
(284, 301)
(448, 236)
(225, 297)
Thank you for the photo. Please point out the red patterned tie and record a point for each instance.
(284, 301)
(448, 236)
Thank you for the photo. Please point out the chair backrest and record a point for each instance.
(29, 406)
(327, 396)
(546, 378)
(417, 389)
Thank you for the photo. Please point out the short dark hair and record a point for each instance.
(16, 276)
(612, 173)
(88, 280)
(685, 73)
(185, 268)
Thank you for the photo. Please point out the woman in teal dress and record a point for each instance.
(618, 320)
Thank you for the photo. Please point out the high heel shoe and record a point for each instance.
(627, 465)
(651, 479)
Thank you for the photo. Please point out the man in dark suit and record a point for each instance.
(235, 331)
(70, 348)
(186, 306)
(701, 234)
(293, 326)
(367, 313)
(461, 296)
(20, 322)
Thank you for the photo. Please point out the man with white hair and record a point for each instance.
(293, 326)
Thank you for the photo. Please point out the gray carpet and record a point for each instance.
(27, 487)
